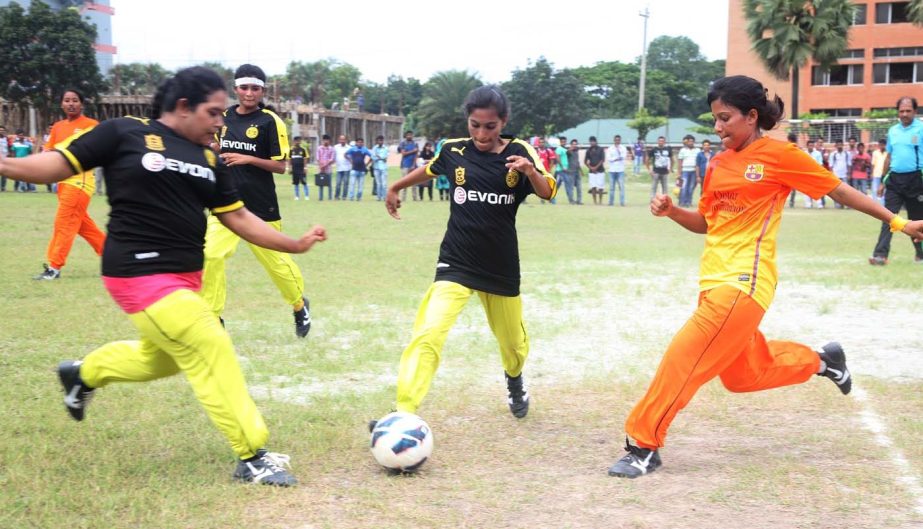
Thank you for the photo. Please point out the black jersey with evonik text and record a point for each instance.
(480, 249)
(263, 134)
(158, 184)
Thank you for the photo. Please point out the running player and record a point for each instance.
(160, 177)
(491, 175)
(74, 193)
(254, 144)
(743, 196)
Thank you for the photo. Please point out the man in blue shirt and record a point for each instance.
(357, 155)
(408, 151)
(903, 183)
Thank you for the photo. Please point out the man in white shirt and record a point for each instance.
(344, 166)
(686, 157)
(840, 162)
(878, 168)
(616, 156)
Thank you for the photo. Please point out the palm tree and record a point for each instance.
(915, 12)
(786, 34)
(440, 113)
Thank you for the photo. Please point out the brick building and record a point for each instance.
(884, 61)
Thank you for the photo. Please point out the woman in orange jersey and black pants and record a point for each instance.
(74, 193)
(743, 196)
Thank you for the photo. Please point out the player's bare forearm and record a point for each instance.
(44, 168)
(850, 197)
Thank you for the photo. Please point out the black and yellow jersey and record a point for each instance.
(262, 134)
(480, 249)
(299, 157)
(158, 184)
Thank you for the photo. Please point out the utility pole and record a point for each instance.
(646, 14)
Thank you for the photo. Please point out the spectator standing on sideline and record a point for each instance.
(343, 167)
(793, 139)
(859, 172)
(561, 169)
(878, 168)
(426, 154)
(74, 193)
(639, 153)
(702, 160)
(686, 158)
(380, 167)
(615, 157)
(840, 161)
(326, 158)
(357, 155)
(576, 171)
(594, 159)
(297, 159)
(661, 159)
(408, 151)
(20, 148)
(4, 152)
(902, 185)
(817, 154)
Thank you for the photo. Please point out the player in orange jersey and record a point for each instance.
(743, 196)
(74, 193)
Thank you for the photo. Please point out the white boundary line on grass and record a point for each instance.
(874, 424)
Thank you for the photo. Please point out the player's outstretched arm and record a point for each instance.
(44, 168)
(525, 166)
(392, 200)
(662, 206)
(252, 229)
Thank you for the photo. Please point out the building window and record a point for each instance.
(860, 15)
(831, 132)
(854, 54)
(913, 51)
(838, 75)
(897, 73)
(891, 13)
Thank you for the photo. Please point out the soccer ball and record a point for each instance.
(401, 441)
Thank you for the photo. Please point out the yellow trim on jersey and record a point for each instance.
(230, 207)
(146, 121)
(281, 130)
(71, 159)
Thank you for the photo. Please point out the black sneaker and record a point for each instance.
(50, 274)
(303, 319)
(518, 396)
(77, 394)
(832, 354)
(638, 462)
(266, 468)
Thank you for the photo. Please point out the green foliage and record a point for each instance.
(136, 78)
(440, 113)
(705, 124)
(812, 130)
(545, 100)
(878, 127)
(45, 51)
(225, 72)
(915, 12)
(644, 122)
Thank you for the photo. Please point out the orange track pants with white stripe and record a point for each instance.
(721, 339)
(71, 220)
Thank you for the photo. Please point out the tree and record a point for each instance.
(705, 124)
(44, 52)
(440, 113)
(136, 78)
(543, 100)
(786, 34)
(915, 12)
(644, 123)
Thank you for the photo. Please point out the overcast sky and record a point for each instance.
(408, 39)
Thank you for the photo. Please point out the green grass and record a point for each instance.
(147, 456)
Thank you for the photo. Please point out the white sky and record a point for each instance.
(414, 39)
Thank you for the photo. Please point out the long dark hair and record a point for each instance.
(745, 93)
(487, 96)
(194, 85)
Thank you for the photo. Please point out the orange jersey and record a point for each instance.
(743, 195)
(64, 130)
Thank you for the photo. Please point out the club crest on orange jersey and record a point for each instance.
(154, 142)
(754, 172)
(459, 176)
(512, 178)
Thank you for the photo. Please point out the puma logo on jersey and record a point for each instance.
(460, 151)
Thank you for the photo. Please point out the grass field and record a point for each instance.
(604, 290)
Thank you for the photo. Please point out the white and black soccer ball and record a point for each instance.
(401, 441)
